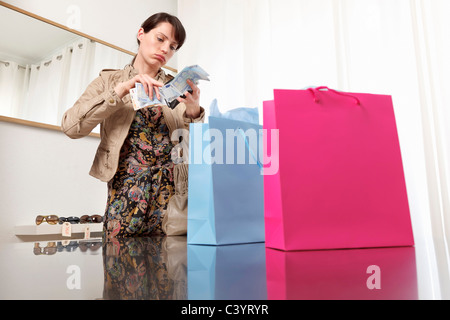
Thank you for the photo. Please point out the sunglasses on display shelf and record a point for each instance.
(50, 219)
(54, 219)
(91, 219)
(71, 220)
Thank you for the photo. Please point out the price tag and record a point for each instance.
(87, 233)
(66, 229)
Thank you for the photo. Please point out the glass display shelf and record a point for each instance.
(168, 268)
(47, 229)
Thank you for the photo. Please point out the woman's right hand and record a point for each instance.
(123, 88)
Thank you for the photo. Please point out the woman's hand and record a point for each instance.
(123, 88)
(191, 100)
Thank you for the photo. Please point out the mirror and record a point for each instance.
(45, 67)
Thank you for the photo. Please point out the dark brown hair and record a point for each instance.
(154, 20)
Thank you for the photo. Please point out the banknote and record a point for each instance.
(178, 86)
(134, 98)
(170, 91)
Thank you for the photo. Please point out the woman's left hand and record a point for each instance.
(191, 100)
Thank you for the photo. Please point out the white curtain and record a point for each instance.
(12, 87)
(395, 47)
(77, 75)
(46, 83)
(44, 91)
(108, 58)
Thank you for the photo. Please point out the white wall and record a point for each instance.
(45, 172)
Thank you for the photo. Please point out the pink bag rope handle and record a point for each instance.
(312, 90)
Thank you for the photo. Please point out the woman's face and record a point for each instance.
(158, 45)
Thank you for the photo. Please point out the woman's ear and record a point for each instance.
(140, 34)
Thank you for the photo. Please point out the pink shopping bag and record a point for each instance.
(354, 274)
(340, 182)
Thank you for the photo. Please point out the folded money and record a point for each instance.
(170, 91)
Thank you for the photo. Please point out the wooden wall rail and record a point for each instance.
(38, 124)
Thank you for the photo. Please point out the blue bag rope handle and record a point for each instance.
(250, 149)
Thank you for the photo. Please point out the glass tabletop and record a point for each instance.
(167, 268)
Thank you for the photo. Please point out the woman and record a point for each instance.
(135, 147)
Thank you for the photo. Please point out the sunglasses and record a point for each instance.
(91, 219)
(71, 220)
(48, 250)
(69, 247)
(91, 245)
(51, 219)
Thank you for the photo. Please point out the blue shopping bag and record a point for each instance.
(231, 272)
(225, 188)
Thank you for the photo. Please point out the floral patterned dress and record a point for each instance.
(144, 269)
(139, 192)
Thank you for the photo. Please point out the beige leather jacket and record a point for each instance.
(99, 104)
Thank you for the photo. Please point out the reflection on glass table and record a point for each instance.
(152, 268)
(228, 272)
(167, 268)
(355, 274)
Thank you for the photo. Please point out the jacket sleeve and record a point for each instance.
(95, 104)
(187, 120)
